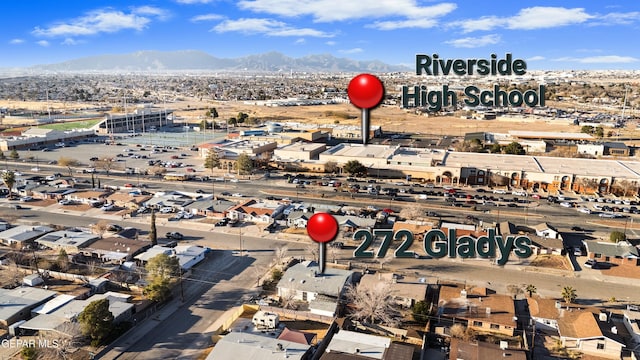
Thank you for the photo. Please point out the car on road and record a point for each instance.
(95, 158)
(566, 204)
(222, 222)
(26, 198)
(336, 244)
(66, 202)
(174, 235)
(584, 210)
(499, 191)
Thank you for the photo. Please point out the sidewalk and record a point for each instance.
(115, 349)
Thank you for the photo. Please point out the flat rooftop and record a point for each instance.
(499, 162)
(556, 135)
(302, 146)
(361, 151)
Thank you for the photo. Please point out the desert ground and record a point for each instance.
(391, 118)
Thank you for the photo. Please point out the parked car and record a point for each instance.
(174, 235)
(26, 198)
(166, 210)
(108, 207)
(591, 263)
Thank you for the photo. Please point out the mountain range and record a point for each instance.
(194, 60)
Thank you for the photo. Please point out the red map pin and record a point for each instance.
(365, 91)
(322, 228)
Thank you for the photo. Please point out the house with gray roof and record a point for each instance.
(621, 253)
(304, 282)
(70, 241)
(355, 343)
(251, 346)
(16, 304)
(23, 234)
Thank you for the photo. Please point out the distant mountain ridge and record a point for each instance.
(184, 60)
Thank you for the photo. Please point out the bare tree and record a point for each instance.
(100, 227)
(515, 290)
(70, 163)
(373, 304)
(312, 249)
(279, 254)
(411, 213)
(106, 164)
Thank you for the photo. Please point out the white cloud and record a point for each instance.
(16, 41)
(475, 42)
(268, 27)
(339, 10)
(95, 22)
(538, 17)
(300, 41)
(330, 43)
(605, 59)
(403, 24)
(44, 43)
(618, 18)
(541, 17)
(161, 14)
(206, 17)
(536, 58)
(70, 41)
(351, 51)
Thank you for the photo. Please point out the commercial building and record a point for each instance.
(141, 120)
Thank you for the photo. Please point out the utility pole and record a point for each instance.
(181, 288)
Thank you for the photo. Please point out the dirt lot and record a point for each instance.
(391, 118)
(551, 261)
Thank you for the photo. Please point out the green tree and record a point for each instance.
(29, 352)
(204, 124)
(586, 129)
(13, 155)
(96, 321)
(531, 289)
(599, 132)
(354, 167)
(2, 157)
(245, 164)
(162, 267)
(212, 161)
(617, 236)
(153, 232)
(213, 113)
(495, 148)
(569, 294)
(242, 117)
(514, 148)
(9, 179)
(233, 121)
(157, 290)
(420, 312)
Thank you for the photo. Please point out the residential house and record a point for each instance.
(480, 350)
(63, 320)
(173, 199)
(115, 249)
(484, 312)
(71, 241)
(620, 254)
(632, 321)
(590, 333)
(546, 230)
(127, 200)
(304, 282)
(355, 343)
(23, 235)
(251, 346)
(405, 293)
(253, 210)
(545, 312)
(88, 196)
(17, 304)
(189, 255)
(210, 208)
(152, 252)
(297, 336)
(546, 245)
(298, 219)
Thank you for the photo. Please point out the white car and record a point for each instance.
(107, 207)
(26, 198)
(607, 215)
(584, 210)
(566, 204)
(499, 191)
(166, 210)
(237, 195)
(187, 215)
(66, 202)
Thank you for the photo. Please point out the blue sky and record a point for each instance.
(567, 35)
